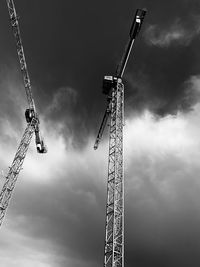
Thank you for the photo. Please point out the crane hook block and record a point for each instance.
(41, 148)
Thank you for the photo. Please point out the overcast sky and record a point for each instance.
(56, 217)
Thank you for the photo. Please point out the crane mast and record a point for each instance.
(114, 89)
(31, 116)
(114, 239)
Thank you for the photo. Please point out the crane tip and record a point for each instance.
(142, 10)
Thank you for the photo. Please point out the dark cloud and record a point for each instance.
(168, 59)
(75, 44)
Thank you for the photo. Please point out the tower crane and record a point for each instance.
(114, 89)
(31, 117)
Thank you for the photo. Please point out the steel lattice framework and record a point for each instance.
(31, 119)
(114, 89)
(20, 52)
(114, 240)
(15, 168)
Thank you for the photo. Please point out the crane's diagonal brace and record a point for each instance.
(15, 168)
(103, 124)
(20, 52)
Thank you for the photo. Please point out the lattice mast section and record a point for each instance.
(31, 119)
(114, 89)
(114, 240)
(15, 168)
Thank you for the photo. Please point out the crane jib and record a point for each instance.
(20, 52)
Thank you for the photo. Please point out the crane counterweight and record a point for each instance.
(108, 83)
(137, 22)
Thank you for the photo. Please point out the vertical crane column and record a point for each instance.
(114, 241)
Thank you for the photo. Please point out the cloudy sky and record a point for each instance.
(57, 214)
